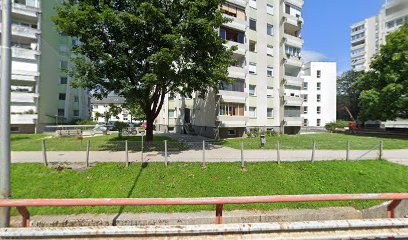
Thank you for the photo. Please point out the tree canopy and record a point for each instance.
(384, 88)
(348, 95)
(144, 49)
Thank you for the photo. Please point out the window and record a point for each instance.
(304, 96)
(292, 51)
(14, 129)
(252, 3)
(61, 112)
(252, 112)
(269, 30)
(305, 85)
(172, 96)
(319, 110)
(172, 113)
(252, 90)
(269, 92)
(231, 109)
(232, 132)
(319, 97)
(252, 24)
(269, 72)
(305, 109)
(252, 68)
(305, 122)
(318, 123)
(269, 112)
(64, 64)
(76, 99)
(319, 73)
(319, 86)
(269, 50)
(252, 46)
(62, 96)
(76, 113)
(63, 80)
(269, 9)
(233, 11)
(231, 35)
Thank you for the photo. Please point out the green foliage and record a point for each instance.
(384, 93)
(143, 49)
(348, 95)
(82, 122)
(120, 126)
(337, 124)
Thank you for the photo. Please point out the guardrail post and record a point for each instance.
(242, 156)
(313, 151)
(26, 216)
(127, 153)
(348, 151)
(381, 150)
(204, 154)
(88, 144)
(391, 208)
(165, 153)
(218, 213)
(278, 152)
(44, 153)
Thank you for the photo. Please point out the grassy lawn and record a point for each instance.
(110, 180)
(32, 142)
(333, 141)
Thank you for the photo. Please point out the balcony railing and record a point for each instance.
(293, 60)
(237, 72)
(293, 121)
(235, 23)
(293, 41)
(293, 81)
(24, 53)
(23, 118)
(232, 96)
(296, 21)
(293, 101)
(232, 121)
(297, 3)
(23, 31)
(242, 48)
(23, 97)
(241, 3)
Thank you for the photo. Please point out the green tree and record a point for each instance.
(348, 95)
(384, 89)
(143, 49)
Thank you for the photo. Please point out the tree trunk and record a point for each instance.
(149, 130)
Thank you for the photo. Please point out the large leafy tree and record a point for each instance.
(384, 93)
(143, 49)
(348, 95)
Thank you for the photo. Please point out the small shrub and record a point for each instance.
(338, 124)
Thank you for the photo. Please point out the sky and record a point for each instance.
(326, 29)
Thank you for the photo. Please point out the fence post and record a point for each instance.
(127, 153)
(141, 150)
(88, 144)
(348, 151)
(165, 153)
(44, 153)
(242, 156)
(204, 154)
(278, 152)
(313, 151)
(381, 150)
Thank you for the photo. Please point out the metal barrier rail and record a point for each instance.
(219, 202)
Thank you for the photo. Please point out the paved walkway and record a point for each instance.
(214, 154)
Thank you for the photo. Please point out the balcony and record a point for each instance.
(232, 121)
(237, 72)
(23, 53)
(293, 20)
(236, 23)
(23, 31)
(297, 3)
(293, 101)
(242, 48)
(293, 81)
(293, 61)
(232, 96)
(23, 118)
(23, 97)
(293, 121)
(293, 41)
(241, 3)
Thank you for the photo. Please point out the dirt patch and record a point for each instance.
(80, 167)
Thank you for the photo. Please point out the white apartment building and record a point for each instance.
(266, 91)
(40, 91)
(319, 94)
(103, 106)
(368, 35)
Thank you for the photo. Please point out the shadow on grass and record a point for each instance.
(132, 189)
(135, 145)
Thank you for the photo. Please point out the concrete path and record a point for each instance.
(213, 154)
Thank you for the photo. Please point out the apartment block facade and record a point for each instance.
(40, 90)
(319, 94)
(265, 93)
(368, 35)
(103, 106)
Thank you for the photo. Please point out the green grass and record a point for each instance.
(111, 180)
(32, 142)
(332, 141)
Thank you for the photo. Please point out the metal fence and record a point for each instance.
(167, 151)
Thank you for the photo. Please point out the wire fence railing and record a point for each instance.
(168, 151)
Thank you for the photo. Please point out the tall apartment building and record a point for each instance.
(368, 35)
(319, 94)
(266, 90)
(40, 90)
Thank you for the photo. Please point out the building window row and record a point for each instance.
(357, 36)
